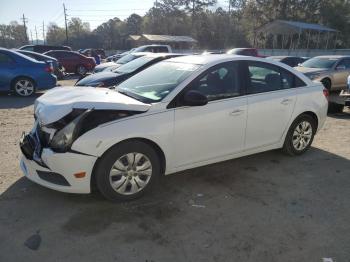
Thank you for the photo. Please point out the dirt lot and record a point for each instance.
(266, 207)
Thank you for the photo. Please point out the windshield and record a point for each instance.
(125, 59)
(157, 81)
(133, 65)
(318, 62)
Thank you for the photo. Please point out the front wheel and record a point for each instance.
(300, 135)
(24, 87)
(127, 171)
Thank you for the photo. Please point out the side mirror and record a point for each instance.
(194, 98)
(340, 67)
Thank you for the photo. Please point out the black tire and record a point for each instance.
(334, 108)
(327, 84)
(28, 86)
(288, 146)
(81, 70)
(102, 171)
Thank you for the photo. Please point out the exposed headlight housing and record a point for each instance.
(80, 121)
(64, 138)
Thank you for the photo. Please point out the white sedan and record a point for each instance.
(178, 114)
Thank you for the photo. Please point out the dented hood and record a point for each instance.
(60, 101)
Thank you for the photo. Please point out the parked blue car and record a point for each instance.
(24, 75)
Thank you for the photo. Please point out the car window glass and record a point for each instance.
(345, 62)
(219, 83)
(28, 48)
(264, 78)
(5, 59)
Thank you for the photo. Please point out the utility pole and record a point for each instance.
(65, 21)
(25, 27)
(44, 32)
(31, 37)
(36, 35)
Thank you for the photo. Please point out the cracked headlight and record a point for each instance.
(65, 137)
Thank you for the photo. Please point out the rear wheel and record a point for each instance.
(300, 135)
(81, 70)
(127, 171)
(24, 87)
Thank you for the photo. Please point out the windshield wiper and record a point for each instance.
(127, 94)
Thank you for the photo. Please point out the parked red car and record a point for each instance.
(73, 62)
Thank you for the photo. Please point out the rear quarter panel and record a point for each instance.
(311, 98)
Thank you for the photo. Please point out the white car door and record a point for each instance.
(271, 100)
(216, 129)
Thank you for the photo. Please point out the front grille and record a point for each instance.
(53, 178)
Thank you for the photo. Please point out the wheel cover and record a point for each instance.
(24, 87)
(81, 70)
(130, 173)
(302, 135)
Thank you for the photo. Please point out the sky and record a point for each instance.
(93, 11)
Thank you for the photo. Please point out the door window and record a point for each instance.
(5, 59)
(345, 62)
(219, 82)
(264, 77)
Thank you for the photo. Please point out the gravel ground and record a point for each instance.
(265, 207)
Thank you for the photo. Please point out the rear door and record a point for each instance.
(7, 70)
(271, 100)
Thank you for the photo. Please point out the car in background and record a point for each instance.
(73, 62)
(24, 75)
(244, 51)
(213, 52)
(332, 71)
(292, 61)
(108, 79)
(44, 48)
(86, 52)
(118, 55)
(175, 115)
(58, 70)
(144, 48)
(110, 66)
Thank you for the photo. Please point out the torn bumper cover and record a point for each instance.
(55, 170)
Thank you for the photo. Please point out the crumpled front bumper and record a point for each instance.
(56, 170)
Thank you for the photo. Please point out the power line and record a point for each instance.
(25, 27)
(36, 35)
(44, 32)
(65, 22)
(107, 10)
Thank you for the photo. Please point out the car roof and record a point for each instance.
(14, 52)
(207, 59)
(163, 54)
(333, 56)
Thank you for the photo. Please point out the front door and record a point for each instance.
(214, 130)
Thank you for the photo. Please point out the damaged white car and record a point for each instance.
(175, 115)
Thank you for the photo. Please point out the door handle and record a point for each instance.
(237, 112)
(286, 101)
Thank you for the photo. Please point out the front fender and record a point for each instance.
(157, 127)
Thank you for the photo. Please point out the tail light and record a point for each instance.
(326, 93)
(49, 68)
